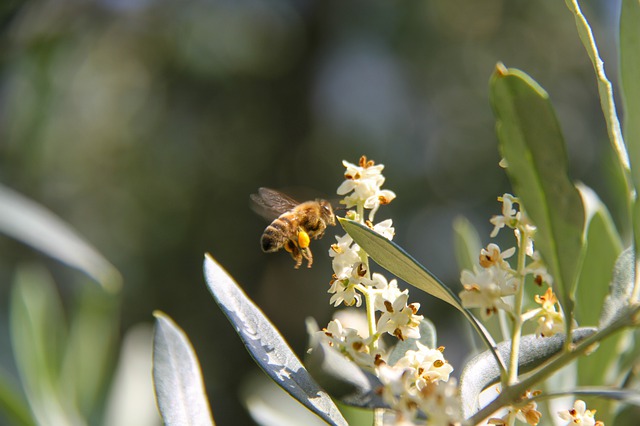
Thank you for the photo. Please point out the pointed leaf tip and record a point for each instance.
(180, 391)
(266, 345)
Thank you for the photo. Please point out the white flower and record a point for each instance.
(400, 319)
(420, 380)
(362, 186)
(345, 255)
(538, 269)
(550, 321)
(344, 291)
(388, 291)
(428, 364)
(484, 289)
(508, 216)
(493, 256)
(579, 415)
(385, 228)
(350, 343)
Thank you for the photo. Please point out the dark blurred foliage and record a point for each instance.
(146, 124)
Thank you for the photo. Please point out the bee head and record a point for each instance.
(327, 212)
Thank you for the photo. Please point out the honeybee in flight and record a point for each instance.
(294, 223)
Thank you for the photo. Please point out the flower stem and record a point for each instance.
(516, 333)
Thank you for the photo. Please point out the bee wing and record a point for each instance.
(270, 203)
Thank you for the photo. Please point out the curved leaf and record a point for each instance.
(397, 261)
(38, 337)
(482, 371)
(177, 377)
(36, 226)
(265, 344)
(603, 246)
(467, 243)
(605, 88)
(533, 146)
(630, 84)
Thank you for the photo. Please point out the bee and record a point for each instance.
(294, 224)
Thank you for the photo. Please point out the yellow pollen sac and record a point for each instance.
(303, 239)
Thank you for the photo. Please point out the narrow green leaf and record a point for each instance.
(482, 371)
(630, 85)
(397, 261)
(630, 82)
(605, 89)
(38, 336)
(533, 146)
(14, 409)
(467, 243)
(177, 378)
(266, 345)
(91, 348)
(36, 226)
(603, 246)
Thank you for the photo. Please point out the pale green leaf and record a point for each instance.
(532, 144)
(266, 345)
(466, 242)
(177, 378)
(36, 226)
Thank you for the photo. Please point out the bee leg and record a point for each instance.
(306, 253)
(293, 249)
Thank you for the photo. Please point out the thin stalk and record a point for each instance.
(517, 315)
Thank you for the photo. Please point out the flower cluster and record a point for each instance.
(419, 381)
(489, 284)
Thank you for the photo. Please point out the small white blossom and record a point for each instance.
(507, 218)
(492, 256)
(420, 380)
(485, 288)
(388, 291)
(579, 415)
(362, 186)
(385, 228)
(550, 321)
(350, 343)
(428, 365)
(400, 319)
(344, 291)
(525, 412)
(344, 254)
(538, 269)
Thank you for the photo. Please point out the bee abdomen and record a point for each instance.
(275, 235)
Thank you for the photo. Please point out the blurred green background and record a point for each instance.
(146, 124)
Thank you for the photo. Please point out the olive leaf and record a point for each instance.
(533, 146)
(266, 345)
(32, 224)
(177, 378)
